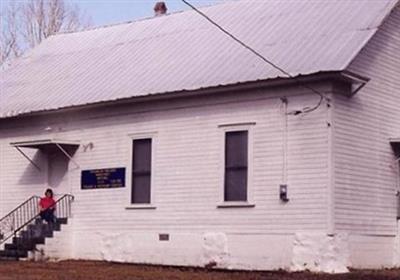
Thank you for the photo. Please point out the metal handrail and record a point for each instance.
(18, 216)
(65, 206)
(20, 206)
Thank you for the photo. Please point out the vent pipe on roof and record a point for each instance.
(160, 9)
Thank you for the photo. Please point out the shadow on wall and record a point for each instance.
(53, 164)
(396, 150)
(31, 174)
(58, 168)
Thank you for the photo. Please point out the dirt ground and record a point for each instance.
(85, 270)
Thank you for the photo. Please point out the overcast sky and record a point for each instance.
(104, 12)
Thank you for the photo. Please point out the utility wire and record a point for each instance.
(263, 58)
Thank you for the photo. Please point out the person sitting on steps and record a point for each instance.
(47, 206)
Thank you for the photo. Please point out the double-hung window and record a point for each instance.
(236, 166)
(141, 171)
(395, 142)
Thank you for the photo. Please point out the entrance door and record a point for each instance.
(58, 173)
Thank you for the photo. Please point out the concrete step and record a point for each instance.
(14, 253)
(36, 234)
(28, 245)
(38, 230)
(36, 227)
(62, 221)
(8, 259)
(21, 241)
(27, 240)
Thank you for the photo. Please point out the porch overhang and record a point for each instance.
(47, 145)
(44, 143)
(357, 81)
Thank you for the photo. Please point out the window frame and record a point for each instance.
(397, 162)
(398, 187)
(395, 143)
(224, 129)
(141, 136)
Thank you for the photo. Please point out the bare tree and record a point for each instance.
(9, 46)
(24, 24)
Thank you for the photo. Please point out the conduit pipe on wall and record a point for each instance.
(283, 195)
(284, 139)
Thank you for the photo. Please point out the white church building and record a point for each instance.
(167, 142)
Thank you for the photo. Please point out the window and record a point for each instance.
(141, 171)
(395, 142)
(236, 166)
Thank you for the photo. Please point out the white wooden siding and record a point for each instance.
(187, 163)
(365, 171)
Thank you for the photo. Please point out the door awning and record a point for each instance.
(44, 143)
(47, 146)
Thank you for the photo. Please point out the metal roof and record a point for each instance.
(36, 144)
(182, 51)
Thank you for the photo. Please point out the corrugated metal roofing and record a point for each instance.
(182, 51)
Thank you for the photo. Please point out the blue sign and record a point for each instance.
(103, 178)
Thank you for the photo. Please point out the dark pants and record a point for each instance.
(47, 215)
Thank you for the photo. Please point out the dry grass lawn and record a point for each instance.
(88, 270)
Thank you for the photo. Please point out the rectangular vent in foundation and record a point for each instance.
(163, 237)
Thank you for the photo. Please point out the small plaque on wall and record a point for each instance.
(107, 178)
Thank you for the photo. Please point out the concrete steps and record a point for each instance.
(28, 239)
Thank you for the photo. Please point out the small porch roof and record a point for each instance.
(67, 147)
(44, 143)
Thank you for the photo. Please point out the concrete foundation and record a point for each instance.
(313, 251)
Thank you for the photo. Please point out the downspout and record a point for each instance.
(331, 166)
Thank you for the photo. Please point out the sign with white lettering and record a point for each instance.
(103, 178)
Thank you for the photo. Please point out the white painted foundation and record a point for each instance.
(320, 252)
(212, 249)
(373, 252)
(396, 255)
(313, 251)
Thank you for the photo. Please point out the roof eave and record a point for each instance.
(344, 76)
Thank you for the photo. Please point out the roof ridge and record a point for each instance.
(225, 2)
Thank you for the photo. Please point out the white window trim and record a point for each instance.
(137, 206)
(249, 127)
(154, 141)
(236, 204)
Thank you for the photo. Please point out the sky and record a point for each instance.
(104, 12)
